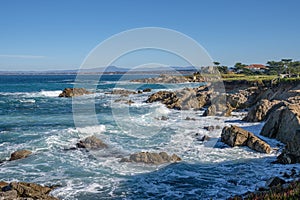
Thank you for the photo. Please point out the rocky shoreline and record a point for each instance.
(276, 105)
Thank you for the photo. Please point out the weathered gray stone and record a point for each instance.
(236, 136)
(91, 142)
(151, 158)
(19, 154)
(73, 92)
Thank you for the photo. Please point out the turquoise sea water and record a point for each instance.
(33, 117)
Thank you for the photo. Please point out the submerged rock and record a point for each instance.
(91, 142)
(19, 154)
(236, 136)
(22, 190)
(151, 158)
(73, 92)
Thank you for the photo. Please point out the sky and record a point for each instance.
(59, 34)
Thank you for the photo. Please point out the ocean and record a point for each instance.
(34, 117)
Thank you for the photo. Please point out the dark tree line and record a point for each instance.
(284, 66)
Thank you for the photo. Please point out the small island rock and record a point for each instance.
(19, 154)
(73, 92)
(91, 142)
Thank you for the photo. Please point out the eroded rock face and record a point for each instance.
(236, 136)
(259, 112)
(283, 123)
(22, 190)
(185, 99)
(73, 92)
(19, 154)
(151, 158)
(91, 142)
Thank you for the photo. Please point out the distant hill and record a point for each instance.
(109, 69)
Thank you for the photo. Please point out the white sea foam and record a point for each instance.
(54, 93)
(91, 129)
(27, 101)
(43, 93)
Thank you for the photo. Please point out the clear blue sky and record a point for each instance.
(58, 34)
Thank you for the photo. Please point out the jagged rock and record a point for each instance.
(91, 142)
(19, 154)
(22, 191)
(259, 111)
(122, 92)
(275, 181)
(185, 99)
(9, 195)
(283, 123)
(237, 100)
(218, 109)
(236, 136)
(73, 92)
(147, 90)
(151, 158)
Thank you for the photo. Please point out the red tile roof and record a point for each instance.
(256, 66)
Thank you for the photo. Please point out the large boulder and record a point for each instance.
(260, 110)
(22, 190)
(73, 92)
(236, 136)
(283, 123)
(19, 154)
(91, 142)
(151, 158)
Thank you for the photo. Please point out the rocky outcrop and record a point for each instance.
(151, 158)
(283, 123)
(219, 109)
(20, 154)
(91, 142)
(236, 136)
(260, 110)
(122, 92)
(74, 92)
(185, 99)
(25, 191)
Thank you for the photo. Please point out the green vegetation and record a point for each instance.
(292, 191)
(235, 77)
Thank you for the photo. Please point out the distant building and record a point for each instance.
(257, 67)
